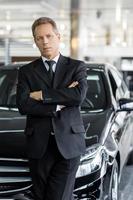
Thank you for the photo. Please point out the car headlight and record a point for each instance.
(91, 161)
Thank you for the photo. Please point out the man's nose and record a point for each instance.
(45, 40)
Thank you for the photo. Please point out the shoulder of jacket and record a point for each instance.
(75, 61)
(29, 65)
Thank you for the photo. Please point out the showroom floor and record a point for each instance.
(126, 187)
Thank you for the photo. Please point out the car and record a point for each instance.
(107, 116)
(108, 121)
(128, 77)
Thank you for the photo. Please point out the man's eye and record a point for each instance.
(38, 38)
(49, 36)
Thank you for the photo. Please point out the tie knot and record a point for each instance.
(50, 62)
(50, 71)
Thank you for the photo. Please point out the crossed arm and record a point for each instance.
(44, 102)
(37, 95)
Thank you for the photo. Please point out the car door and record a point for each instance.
(123, 119)
(94, 108)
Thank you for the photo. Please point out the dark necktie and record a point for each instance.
(50, 71)
(51, 76)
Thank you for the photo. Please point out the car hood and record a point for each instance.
(12, 126)
(95, 124)
(10, 119)
(12, 138)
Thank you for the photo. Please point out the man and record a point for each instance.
(50, 91)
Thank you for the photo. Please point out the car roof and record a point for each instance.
(90, 66)
(18, 65)
(13, 65)
(100, 66)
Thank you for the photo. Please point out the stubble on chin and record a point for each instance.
(46, 54)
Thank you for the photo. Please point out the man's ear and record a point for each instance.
(59, 36)
(34, 40)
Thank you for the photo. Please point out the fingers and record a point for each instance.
(73, 84)
(37, 95)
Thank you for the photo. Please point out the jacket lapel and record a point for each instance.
(61, 69)
(41, 71)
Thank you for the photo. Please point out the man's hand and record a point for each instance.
(73, 84)
(37, 95)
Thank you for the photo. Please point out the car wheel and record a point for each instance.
(130, 158)
(114, 182)
(109, 183)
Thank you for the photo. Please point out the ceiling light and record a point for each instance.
(118, 11)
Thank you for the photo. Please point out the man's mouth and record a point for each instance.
(47, 48)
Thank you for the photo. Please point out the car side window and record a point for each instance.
(96, 95)
(125, 88)
(8, 87)
(113, 84)
(118, 87)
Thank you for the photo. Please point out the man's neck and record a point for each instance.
(53, 58)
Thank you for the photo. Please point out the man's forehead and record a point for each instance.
(44, 28)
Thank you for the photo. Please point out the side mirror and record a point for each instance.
(126, 104)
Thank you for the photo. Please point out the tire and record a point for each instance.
(114, 183)
(110, 184)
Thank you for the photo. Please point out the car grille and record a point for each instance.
(14, 175)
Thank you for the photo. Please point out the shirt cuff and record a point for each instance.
(58, 108)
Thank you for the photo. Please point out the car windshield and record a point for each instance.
(96, 95)
(8, 80)
(95, 98)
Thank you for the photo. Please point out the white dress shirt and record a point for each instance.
(58, 108)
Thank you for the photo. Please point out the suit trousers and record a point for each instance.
(53, 176)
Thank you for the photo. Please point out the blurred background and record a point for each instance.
(91, 30)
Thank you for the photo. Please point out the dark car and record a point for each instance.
(107, 118)
(128, 77)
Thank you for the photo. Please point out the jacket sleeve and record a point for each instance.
(69, 96)
(27, 105)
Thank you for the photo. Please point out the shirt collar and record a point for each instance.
(55, 59)
(54, 66)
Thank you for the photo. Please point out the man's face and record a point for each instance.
(47, 40)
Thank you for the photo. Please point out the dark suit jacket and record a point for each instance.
(67, 124)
